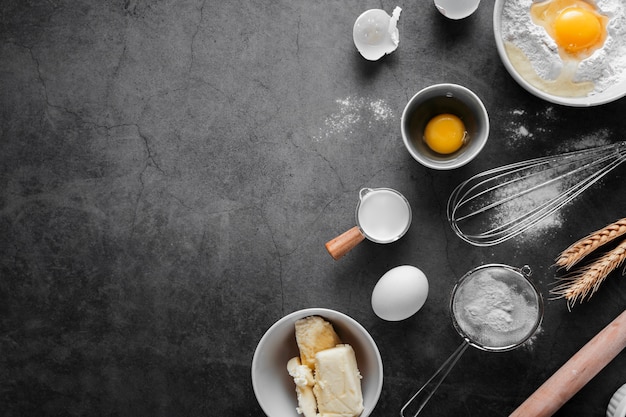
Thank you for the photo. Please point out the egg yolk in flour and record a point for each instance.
(575, 25)
(445, 133)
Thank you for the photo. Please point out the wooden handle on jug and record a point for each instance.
(343, 243)
(576, 372)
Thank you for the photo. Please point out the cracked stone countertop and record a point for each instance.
(170, 172)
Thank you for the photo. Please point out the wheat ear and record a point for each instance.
(584, 283)
(577, 251)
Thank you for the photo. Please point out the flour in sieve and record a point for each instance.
(493, 310)
(606, 67)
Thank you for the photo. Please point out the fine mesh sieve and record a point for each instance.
(494, 308)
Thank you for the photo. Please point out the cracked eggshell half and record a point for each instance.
(375, 33)
(456, 9)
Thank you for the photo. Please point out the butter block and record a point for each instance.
(338, 382)
(314, 334)
(302, 375)
(303, 378)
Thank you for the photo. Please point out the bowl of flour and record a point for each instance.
(532, 57)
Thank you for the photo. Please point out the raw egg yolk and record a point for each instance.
(576, 26)
(445, 133)
(576, 29)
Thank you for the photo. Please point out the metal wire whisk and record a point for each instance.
(498, 204)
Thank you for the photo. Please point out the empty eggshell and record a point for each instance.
(456, 9)
(400, 293)
(375, 33)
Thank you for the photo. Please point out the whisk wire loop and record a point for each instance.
(498, 204)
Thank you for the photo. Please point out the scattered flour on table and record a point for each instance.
(351, 111)
(517, 133)
(530, 343)
(606, 66)
(598, 138)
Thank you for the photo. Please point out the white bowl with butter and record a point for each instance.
(538, 63)
(274, 387)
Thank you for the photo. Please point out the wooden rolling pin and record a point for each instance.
(576, 372)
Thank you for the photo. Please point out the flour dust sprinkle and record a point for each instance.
(352, 111)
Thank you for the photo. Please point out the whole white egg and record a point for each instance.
(400, 293)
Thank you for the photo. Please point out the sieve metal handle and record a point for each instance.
(418, 401)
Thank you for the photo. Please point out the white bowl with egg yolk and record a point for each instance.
(438, 100)
(274, 387)
(526, 77)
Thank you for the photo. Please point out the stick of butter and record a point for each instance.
(303, 378)
(314, 334)
(338, 382)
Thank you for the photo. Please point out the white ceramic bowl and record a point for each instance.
(611, 94)
(275, 389)
(444, 98)
(617, 405)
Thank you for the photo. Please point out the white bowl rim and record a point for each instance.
(328, 314)
(620, 411)
(620, 408)
(616, 92)
(453, 163)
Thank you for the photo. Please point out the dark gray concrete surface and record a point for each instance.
(171, 170)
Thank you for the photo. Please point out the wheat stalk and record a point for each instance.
(584, 283)
(583, 247)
